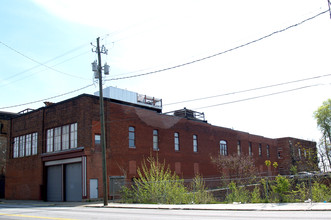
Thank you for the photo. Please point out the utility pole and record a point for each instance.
(98, 68)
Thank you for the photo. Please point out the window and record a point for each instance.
(239, 148)
(131, 137)
(28, 144)
(49, 140)
(176, 138)
(279, 153)
(97, 139)
(34, 143)
(195, 143)
(223, 148)
(155, 140)
(16, 144)
(268, 151)
(260, 150)
(73, 135)
(65, 137)
(250, 152)
(57, 139)
(61, 138)
(22, 145)
(25, 145)
(299, 153)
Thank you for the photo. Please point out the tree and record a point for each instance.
(241, 167)
(323, 119)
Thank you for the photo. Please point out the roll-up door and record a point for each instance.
(73, 182)
(54, 183)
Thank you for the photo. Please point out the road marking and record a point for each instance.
(30, 216)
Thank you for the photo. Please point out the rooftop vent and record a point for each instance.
(48, 103)
(189, 114)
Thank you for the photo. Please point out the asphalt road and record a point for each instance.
(8, 211)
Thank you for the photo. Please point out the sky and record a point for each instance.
(253, 66)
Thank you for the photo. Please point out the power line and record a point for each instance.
(41, 64)
(222, 52)
(256, 97)
(55, 58)
(249, 90)
(3, 85)
(53, 97)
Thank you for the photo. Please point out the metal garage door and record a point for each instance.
(54, 183)
(73, 182)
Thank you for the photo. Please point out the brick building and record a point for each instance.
(55, 151)
(4, 136)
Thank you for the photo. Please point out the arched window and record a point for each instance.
(223, 148)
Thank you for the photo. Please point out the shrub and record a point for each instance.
(237, 194)
(321, 192)
(256, 195)
(199, 194)
(282, 188)
(156, 184)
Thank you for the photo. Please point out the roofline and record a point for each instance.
(89, 96)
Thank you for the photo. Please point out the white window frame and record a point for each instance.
(132, 137)
(50, 140)
(28, 144)
(73, 135)
(195, 143)
(34, 144)
(16, 147)
(65, 137)
(176, 141)
(155, 140)
(25, 145)
(223, 148)
(61, 138)
(22, 146)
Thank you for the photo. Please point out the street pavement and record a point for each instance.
(236, 206)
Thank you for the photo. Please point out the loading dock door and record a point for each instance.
(54, 183)
(73, 182)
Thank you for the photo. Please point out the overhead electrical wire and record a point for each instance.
(53, 97)
(40, 63)
(249, 90)
(177, 66)
(3, 85)
(222, 52)
(256, 97)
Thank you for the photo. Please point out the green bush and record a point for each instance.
(282, 188)
(321, 193)
(199, 193)
(237, 194)
(256, 195)
(156, 184)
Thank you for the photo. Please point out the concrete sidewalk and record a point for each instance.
(239, 207)
(224, 207)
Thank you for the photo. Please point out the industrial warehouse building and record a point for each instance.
(54, 152)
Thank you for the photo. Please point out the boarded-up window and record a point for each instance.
(178, 167)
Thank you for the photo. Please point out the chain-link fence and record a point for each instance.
(304, 187)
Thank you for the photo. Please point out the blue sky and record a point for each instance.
(45, 50)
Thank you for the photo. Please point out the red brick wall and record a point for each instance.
(26, 177)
